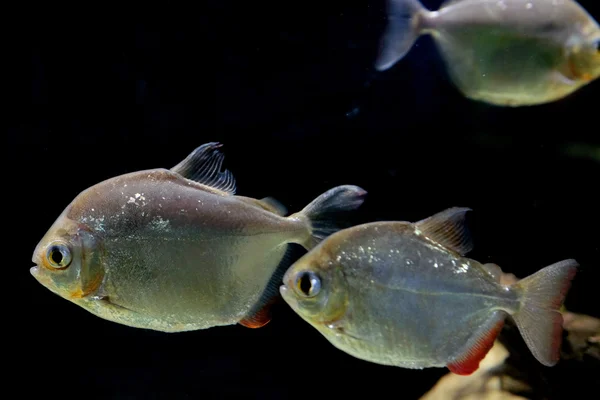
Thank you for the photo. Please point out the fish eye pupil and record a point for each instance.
(56, 256)
(309, 284)
(59, 256)
(305, 284)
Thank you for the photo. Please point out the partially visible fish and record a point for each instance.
(175, 250)
(503, 52)
(404, 294)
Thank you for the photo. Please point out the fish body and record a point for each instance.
(404, 294)
(175, 249)
(502, 52)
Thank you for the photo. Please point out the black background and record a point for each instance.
(290, 90)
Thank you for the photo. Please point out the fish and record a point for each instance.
(176, 249)
(405, 294)
(507, 53)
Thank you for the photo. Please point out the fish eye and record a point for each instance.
(308, 284)
(58, 255)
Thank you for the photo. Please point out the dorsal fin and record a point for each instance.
(448, 229)
(275, 206)
(203, 165)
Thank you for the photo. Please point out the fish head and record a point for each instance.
(315, 288)
(68, 259)
(584, 61)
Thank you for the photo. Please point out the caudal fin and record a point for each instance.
(539, 319)
(324, 214)
(401, 32)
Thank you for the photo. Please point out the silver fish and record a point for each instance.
(502, 52)
(176, 250)
(404, 294)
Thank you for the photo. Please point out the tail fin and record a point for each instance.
(539, 319)
(323, 214)
(401, 32)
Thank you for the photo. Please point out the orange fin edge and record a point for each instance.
(468, 362)
(259, 319)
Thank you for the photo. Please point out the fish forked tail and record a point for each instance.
(324, 214)
(539, 319)
(402, 30)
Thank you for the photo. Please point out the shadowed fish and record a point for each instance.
(176, 249)
(503, 52)
(404, 294)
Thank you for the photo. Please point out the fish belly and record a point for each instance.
(414, 304)
(417, 330)
(196, 282)
(503, 64)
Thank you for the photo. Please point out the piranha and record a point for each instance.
(502, 52)
(176, 250)
(404, 294)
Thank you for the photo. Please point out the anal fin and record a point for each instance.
(479, 344)
(260, 314)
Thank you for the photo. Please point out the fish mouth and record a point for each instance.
(287, 296)
(39, 275)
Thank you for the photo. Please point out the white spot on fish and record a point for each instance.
(163, 198)
(159, 224)
(92, 209)
(143, 213)
(453, 263)
(125, 185)
(361, 249)
(529, 6)
(131, 200)
(408, 261)
(463, 268)
(435, 265)
(99, 223)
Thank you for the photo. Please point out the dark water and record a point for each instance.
(289, 89)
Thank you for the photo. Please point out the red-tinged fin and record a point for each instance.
(448, 228)
(468, 359)
(539, 319)
(260, 314)
(259, 319)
